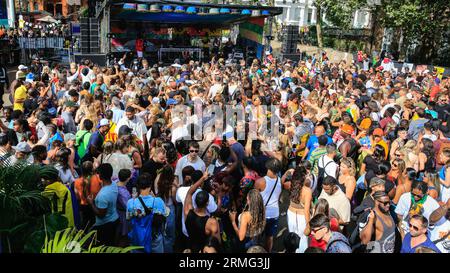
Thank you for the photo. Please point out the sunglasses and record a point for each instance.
(385, 203)
(395, 165)
(315, 230)
(417, 195)
(193, 151)
(414, 227)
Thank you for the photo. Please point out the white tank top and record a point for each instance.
(272, 210)
(445, 194)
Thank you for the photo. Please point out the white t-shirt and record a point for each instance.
(339, 202)
(179, 132)
(214, 89)
(183, 162)
(404, 204)
(137, 124)
(330, 166)
(181, 197)
(438, 233)
(385, 108)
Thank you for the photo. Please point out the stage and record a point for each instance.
(183, 29)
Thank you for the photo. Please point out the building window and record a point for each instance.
(310, 12)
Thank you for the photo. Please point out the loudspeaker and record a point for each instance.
(91, 6)
(90, 35)
(291, 38)
(292, 57)
(99, 59)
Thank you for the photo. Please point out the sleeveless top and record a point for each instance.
(258, 232)
(386, 243)
(353, 152)
(272, 209)
(195, 226)
(341, 186)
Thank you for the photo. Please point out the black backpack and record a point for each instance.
(321, 173)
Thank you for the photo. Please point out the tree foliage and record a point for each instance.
(340, 13)
(421, 21)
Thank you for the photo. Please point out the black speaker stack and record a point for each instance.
(290, 41)
(90, 38)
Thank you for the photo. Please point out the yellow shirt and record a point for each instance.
(61, 200)
(385, 146)
(111, 135)
(20, 93)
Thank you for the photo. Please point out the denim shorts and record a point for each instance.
(271, 226)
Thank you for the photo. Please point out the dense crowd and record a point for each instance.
(37, 30)
(361, 154)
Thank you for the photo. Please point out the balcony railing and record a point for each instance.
(41, 43)
(354, 32)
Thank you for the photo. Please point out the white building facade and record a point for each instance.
(304, 13)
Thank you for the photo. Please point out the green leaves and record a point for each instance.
(72, 241)
(24, 212)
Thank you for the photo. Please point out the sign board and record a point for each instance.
(75, 28)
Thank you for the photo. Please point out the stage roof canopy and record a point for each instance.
(186, 13)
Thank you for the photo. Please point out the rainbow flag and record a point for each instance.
(252, 30)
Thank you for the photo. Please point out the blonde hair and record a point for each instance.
(409, 147)
(347, 161)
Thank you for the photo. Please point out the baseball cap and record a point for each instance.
(348, 129)
(155, 100)
(22, 147)
(365, 123)
(103, 122)
(21, 75)
(378, 132)
(29, 78)
(375, 181)
(22, 67)
(171, 102)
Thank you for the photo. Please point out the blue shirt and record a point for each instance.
(107, 199)
(442, 173)
(313, 143)
(117, 114)
(239, 150)
(155, 203)
(406, 245)
(96, 140)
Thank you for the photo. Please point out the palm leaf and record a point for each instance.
(64, 240)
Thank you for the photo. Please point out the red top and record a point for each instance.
(139, 45)
(334, 226)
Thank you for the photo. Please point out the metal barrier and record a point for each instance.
(40, 43)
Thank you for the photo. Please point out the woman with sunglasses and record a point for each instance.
(397, 172)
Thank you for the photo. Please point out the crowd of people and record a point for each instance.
(362, 155)
(36, 30)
